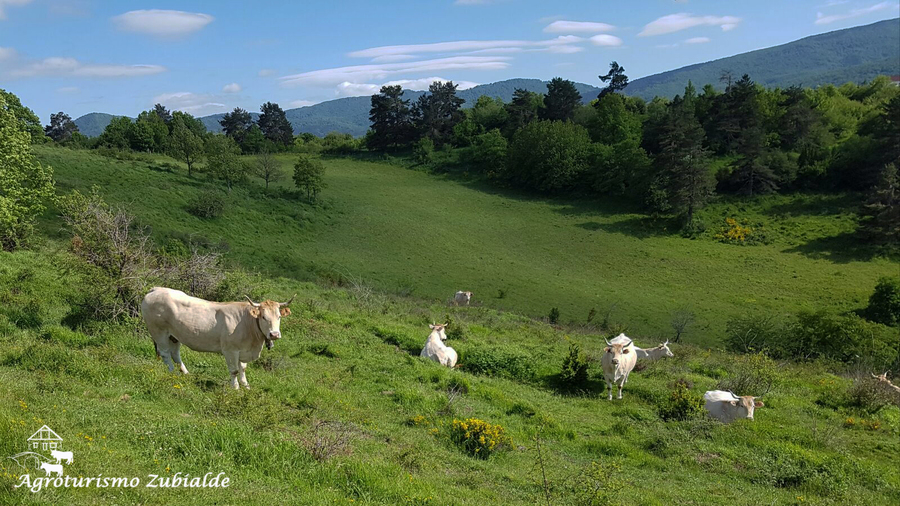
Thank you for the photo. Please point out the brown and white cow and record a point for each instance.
(462, 298)
(237, 330)
(618, 360)
(727, 407)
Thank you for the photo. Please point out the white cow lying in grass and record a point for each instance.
(618, 361)
(435, 348)
(661, 351)
(462, 298)
(727, 407)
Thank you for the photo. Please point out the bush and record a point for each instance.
(884, 303)
(207, 204)
(488, 152)
(682, 404)
(498, 362)
(752, 333)
(844, 338)
(754, 375)
(574, 373)
(869, 395)
(479, 438)
(423, 152)
(548, 156)
(336, 143)
(600, 484)
(553, 317)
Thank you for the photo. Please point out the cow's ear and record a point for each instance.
(606, 349)
(734, 403)
(758, 404)
(285, 311)
(625, 351)
(254, 312)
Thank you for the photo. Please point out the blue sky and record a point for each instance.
(121, 57)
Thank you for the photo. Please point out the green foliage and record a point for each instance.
(869, 396)
(309, 177)
(61, 127)
(489, 113)
(275, 125)
(884, 303)
(548, 156)
(881, 214)
(561, 100)
(522, 109)
(236, 124)
(553, 317)
(423, 152)
(223, 160)
(207, 204)
(616, 79)
(26, 118)
(498, 362)
(600, 484)
(336, 143)
(574, 372)
(26, 186)
(117, 134)
(391, 119)
(437, 112)
(488, 152)
(682, 403)
(184, 143)
(752, 374)
(478, 438)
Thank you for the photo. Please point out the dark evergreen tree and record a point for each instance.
(61, 127)
(275, 125)
(881, 214)
(236, 124)
(616, 78)
(561, 100)
(522, 109)
(391, 119)
(163, 113)
(438, 111)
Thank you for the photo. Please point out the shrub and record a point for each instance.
(869, 395)
(548, 156)
(682, 404)
(479, 438)
(553, 317)
(574, 373)
(207, 204)
(423, 152)
(752, 333)
(337, 143)
(488, 152)
(845, 338)
(498, 362)
(600, 484)
(884, 303)
(754, 375)
(733, 232)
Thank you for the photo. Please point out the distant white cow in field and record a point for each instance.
(618, 361)
(51, 468)
(435, 348)
(727, 407)
(60, 456)
(462, 298)
(661, 351)
(884, 379)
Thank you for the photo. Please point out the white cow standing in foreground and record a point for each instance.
(618, 361)
(727, 407)
(462, 298)
(435, 348)
(237, 330)
(661, 351)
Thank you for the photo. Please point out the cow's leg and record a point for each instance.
(609, 387)
(176, 355)
(244, 375)
(232, 358)
(621, 385)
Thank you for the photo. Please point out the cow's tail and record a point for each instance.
(156, 347)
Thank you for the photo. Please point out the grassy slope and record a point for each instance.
(349, 360)
(407, 231)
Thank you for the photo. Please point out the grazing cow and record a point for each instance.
(51, 468)
(727, 407)
(435, 348)
(884, 379)
(618, 361)
(60, 456)
(237, 330)
(462, 298)
(661, 351)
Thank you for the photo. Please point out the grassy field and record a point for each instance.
(343, 411)
(409, 232)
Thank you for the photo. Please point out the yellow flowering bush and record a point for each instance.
(479, 438)
(734, 233)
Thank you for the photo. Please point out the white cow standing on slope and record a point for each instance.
(435, 348)
(618, 361)
(661, 351)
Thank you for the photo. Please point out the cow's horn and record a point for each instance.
(288, 303)
(255, 304)
(666, 343)
(607, 342)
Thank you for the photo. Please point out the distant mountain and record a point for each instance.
(851, 55)
(93, 124)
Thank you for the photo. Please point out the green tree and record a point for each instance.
(185, 144)
(548, 156)
(267, 167)
(391, 119)
(438, 111)
(884, 303)
(117, 134)
(561, 100)
(881, 214)
(254, 140)
(162, 113)
(25, 185)
(25, 116)
(193, 124)
(61, 127)
(522, 109)
(149, 133)
(489, 113)
(275, 125)
(309, 176)
(616, 78)
(224, 161)
(489, 151)
(236, 124)
(614, 121)
(741, 124)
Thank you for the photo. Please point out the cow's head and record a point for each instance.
(616, 351)
(268, 316)
(440, 330)
(665, 348)
(469, 295)
(743, 406)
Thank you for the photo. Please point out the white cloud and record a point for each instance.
(70, 67)
(198, 104)
(682, 21)
(7, 53)
(162, 23)
(10, 3)
(302, 103)
(822, 19)
(697, 40)
(389, 58)
(348, 89)
(562, 26)
(68, 89)
(606, 40)
(231, 88)
(460, 45)
(266, 72)
(565, 49)
(367, 73)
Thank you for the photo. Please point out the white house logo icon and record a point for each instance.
(41, 441)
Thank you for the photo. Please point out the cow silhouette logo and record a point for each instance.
(34, 457)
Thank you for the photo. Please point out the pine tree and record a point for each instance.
(438, 111)
(236, 124)
(881, 214)
(391, 119)
(561, 100)
(616, 78)
(61, 127)
(275, 125)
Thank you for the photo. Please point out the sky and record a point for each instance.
(121, 57)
